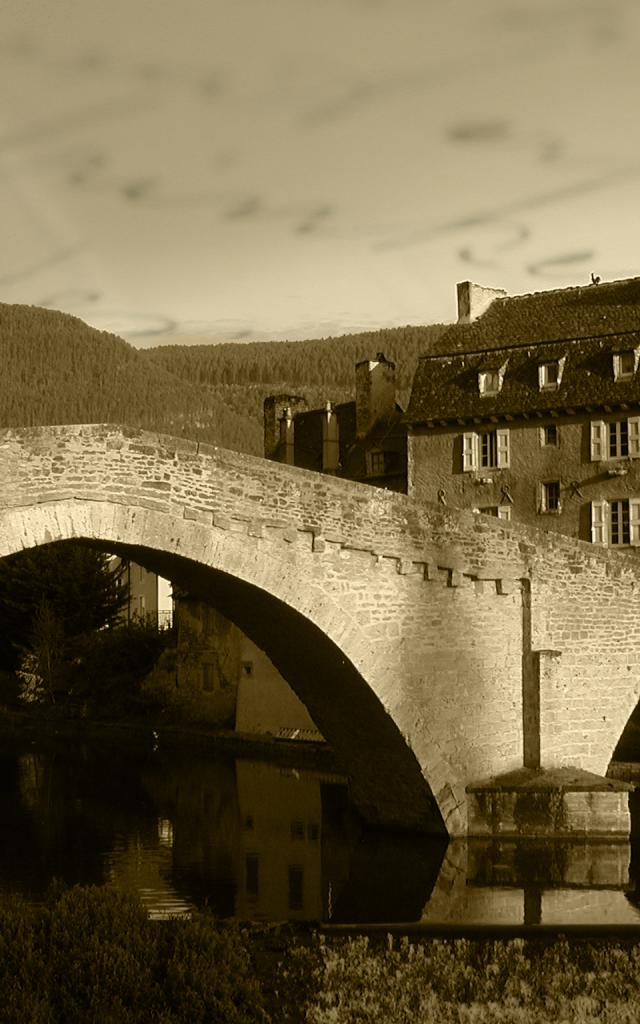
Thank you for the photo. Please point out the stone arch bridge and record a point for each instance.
(434, 648)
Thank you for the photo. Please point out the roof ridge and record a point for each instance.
(570, 288)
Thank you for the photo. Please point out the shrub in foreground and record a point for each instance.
(462, 982)
(92, 956)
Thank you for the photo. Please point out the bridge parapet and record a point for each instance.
(243, 493)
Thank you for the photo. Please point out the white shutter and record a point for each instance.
(598, 522)
(502, 439)
(469, 452)
(634, 521)
(597, 440)
(634, 436)
(504, 512)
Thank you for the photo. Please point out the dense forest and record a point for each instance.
(57, 369)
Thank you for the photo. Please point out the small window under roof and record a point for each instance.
(490, 376)
(550, 373)
(625, 363)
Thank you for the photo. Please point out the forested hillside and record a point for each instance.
(242, 375)
(57, 369)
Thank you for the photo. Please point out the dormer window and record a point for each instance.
(489, 382)
(625, 364)
(550, 374)
(490, 379)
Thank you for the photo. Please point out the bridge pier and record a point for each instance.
(554, 803)
(546, 798)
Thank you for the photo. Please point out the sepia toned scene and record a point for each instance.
(319, 512)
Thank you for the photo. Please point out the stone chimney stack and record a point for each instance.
(274, 406)
(474, 300)
(286, 449)
(375, 392)
(330, 441)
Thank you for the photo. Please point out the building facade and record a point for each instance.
(221, 677)
(364, 440)
(528, 408)
(150, 597)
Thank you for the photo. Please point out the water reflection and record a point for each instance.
(262, 841)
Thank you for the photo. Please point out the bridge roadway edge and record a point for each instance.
(334, 522)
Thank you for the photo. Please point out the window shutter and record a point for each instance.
(634, 436)
(634, 521)
(597, 440)
(502, 437)
(469, 452)
(598, 522)
(504, 512)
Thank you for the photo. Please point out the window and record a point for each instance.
(550, 374)
(550, 496)
(379, 462)
(616, 522)
(501, 511)
(252, 875)
(616, 440)
(297, 829)
(208, 678)
(549, 435)
(296, 885)
(624, 364)
(619, 525)
(489, 382)
(376, 463)
(489, 450)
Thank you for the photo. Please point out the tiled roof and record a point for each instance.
(592, 311)
(587, 325)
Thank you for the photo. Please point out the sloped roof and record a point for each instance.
(585, 325)
(591, 311)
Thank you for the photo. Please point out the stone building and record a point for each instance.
(528, 408)
(365, 439)
(221, 677)
(149, 594)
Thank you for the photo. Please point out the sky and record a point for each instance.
(230, 170)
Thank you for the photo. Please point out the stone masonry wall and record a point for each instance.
(426, 603)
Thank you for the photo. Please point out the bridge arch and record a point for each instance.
(306, 634)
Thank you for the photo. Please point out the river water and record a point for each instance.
(262, 840)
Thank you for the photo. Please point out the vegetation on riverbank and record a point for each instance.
(91, 954)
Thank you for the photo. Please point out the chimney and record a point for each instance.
(330, 441)
(286, 450)
(375, 392)
(474, 300)
(274, 406)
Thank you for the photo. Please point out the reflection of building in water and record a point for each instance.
(199, 822)
(135, 866)
(223, 678)
(280, 869)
